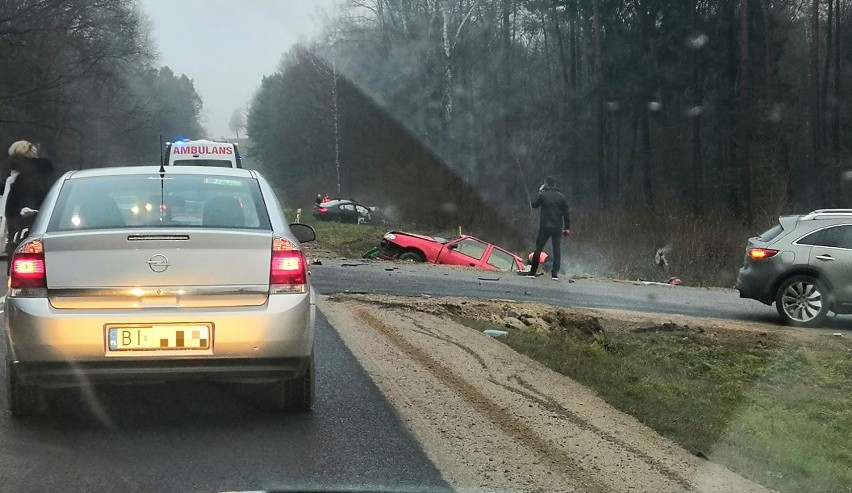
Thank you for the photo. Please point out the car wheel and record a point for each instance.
(411, 257)
(21, 399)
(297, 395)
(802, 301)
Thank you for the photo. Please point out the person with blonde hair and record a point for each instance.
(23, 148)
(27, 183)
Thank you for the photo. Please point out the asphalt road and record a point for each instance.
(214, 437)
(408, 279)
(416, 280)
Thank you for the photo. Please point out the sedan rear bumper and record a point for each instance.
(97, 372)
(50, 345)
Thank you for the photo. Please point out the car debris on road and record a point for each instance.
(495, 333)
(674, 281)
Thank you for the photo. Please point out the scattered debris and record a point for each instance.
(654, 283)
(390, 269)
(489, 278)
(673, 281)
(350, 265)
(838, 334)
(371, 253)
(495, 333)
(316, 262)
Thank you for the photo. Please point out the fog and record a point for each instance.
(227, 46)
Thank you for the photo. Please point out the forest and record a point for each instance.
(659, 118)
(730, 103)
(79, 78)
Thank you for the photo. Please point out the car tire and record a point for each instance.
(22, 400)
(297, 395)
(802, 301)
(411, 257)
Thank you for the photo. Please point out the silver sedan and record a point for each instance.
(139, 275)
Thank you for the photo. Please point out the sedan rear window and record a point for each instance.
(148, 201)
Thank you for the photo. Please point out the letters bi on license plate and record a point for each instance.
(158, 337)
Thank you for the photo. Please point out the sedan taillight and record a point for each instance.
(288, 272)
(27, 274)
(761, 253)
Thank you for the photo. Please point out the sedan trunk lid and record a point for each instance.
(141, 269)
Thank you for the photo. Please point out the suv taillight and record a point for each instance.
(288, 272)
(27, 274)
(761, 253)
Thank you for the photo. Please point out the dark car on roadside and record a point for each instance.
(348, 211)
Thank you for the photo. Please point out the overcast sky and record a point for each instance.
(226, 46)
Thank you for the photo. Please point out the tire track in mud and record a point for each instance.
(430, 333)
(547, 402)
(495, 413)
(551, 405)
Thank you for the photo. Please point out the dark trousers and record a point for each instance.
(555, 237)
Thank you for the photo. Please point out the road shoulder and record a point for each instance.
(491, 418)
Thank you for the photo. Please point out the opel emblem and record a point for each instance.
(158, 263)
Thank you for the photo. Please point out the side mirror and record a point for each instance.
(303, 232)
(453, 246)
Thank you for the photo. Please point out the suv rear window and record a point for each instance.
(147, 201)
(771, 233)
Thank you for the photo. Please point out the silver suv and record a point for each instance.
(804, 265)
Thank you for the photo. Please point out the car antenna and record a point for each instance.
(162, 160)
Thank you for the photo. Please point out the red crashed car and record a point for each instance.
(464, 250)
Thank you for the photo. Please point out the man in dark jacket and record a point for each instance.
(553, 223)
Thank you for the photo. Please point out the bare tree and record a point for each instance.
(237, 123)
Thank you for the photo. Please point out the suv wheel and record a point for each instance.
(21, 399)
(802, 301)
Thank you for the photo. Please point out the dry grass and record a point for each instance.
(705, 251)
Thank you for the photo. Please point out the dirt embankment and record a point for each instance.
(492, 419)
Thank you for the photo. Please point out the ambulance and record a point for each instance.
(202, 153)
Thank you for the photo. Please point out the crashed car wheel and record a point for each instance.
(411, 257)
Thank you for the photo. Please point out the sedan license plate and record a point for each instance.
(154, 337)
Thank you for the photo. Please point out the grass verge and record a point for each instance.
(775, 410)
(346, 240)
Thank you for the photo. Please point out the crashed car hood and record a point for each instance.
(422, 237)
